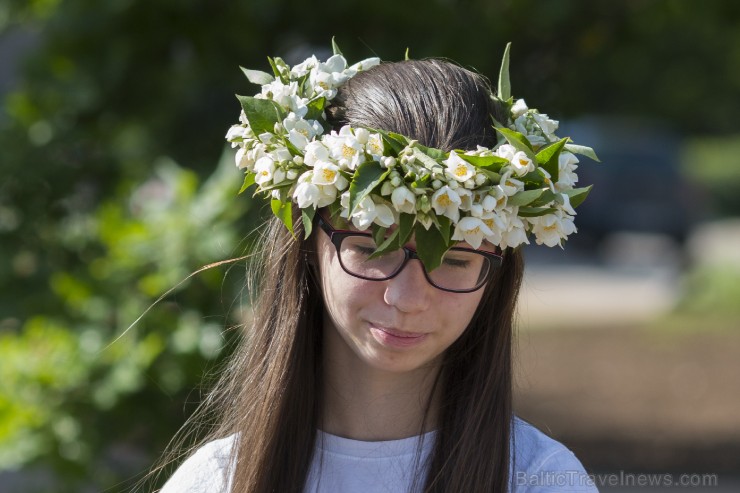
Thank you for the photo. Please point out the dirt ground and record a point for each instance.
(636, 399)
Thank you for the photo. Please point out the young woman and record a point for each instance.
(385, 372)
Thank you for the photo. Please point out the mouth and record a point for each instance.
(394, 337)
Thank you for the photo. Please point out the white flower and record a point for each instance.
(286, 95)
(506, 151)
(567, 178)
(306, 194)
(368, 212)
(446, 202)
(552, 228)
(458, 168)
(522, 164)
(315, 151)
(566, 205)
(281, 154)
(278, 176)
(304, 67)
(365, 64)
(547, 125)
(361, 134)
(300, 131)
(374, 147)
(516, 232)
(471, 230)
(263, 169)
(344, 148)
(509, 186)
(237, 133)
(404, 200)
(519, 108)
(326, 173)
(326, 76)
(246, 158)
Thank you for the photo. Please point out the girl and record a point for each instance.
(389, 372)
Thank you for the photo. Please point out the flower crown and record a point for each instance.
(377, 179)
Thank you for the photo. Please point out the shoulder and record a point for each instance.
(205, 471)
(541, 464)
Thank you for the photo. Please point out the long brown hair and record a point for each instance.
(270, 396)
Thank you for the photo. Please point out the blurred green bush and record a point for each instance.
(79, 386)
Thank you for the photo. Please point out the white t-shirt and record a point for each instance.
(539, 464)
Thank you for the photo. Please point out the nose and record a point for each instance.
(409, 291)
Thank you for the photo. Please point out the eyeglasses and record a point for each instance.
(463, 270)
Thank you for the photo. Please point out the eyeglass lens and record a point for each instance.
(460, 270)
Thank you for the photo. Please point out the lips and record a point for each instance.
(389, 336)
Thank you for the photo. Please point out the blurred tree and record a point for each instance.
(96, 220)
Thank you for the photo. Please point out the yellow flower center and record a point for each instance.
(523, 162)
(348, 152)
(473, 231)
(552, 227)
(303, 132)
(461, 170)
(489, 223)
(328, 174)
(444, 200)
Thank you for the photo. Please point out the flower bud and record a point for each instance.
(394, 174)
(469, 183)
(362, 135)
(396, 181)
(408, 151)
(453, 184)
(277, 128)
(389, 161)
(386, 188)
(298, 160)
(436, 184)
(291, 174)
(423, 204)
(480, 179)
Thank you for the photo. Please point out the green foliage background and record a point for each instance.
(115, 182)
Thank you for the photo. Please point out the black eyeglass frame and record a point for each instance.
(336, 236)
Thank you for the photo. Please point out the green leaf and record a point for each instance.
(547, 157)
(248, 182)
(335, 47)
(257, 76)
(582, 150)
(544, 199)
(445, 224)
(367, 176)
(517, 140)
(533, 179)
(494, 163)
(283, 211)
(525, 198)
(378, 233)
(393, 143)
(504, 84)
(491, 175)
(428, 162)
(535, 211)
(433, 153)
(578, 195)
(307, 216)
(262, 114)
(389, 244)
(406, 56)
(430, 246)
(405, 228)
(316, 109)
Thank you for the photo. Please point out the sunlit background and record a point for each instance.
(115, 184)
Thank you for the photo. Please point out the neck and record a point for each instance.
(365, 403)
